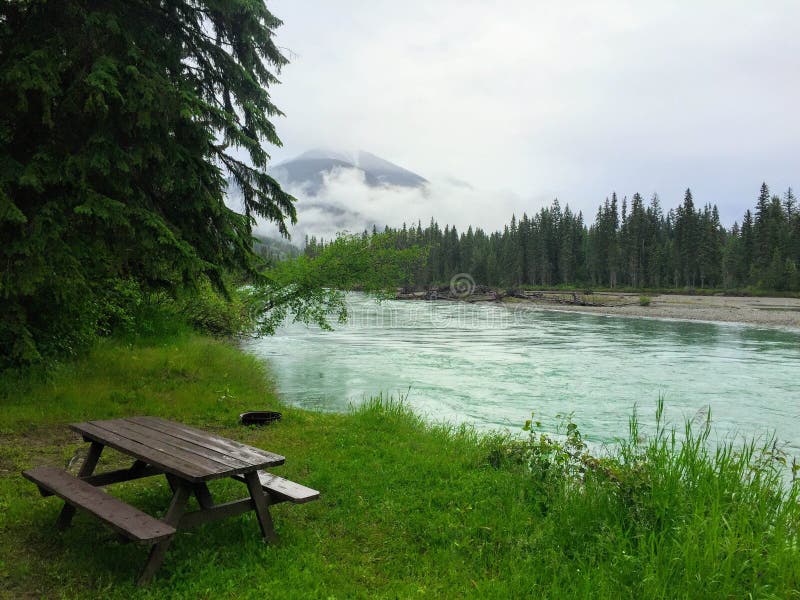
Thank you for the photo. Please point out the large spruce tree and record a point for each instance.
(120, 122)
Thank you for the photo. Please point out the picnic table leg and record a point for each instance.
(87, 468)
(200, 491)
(137, 467)
(203, 495)
(261, 502)
(174, 513)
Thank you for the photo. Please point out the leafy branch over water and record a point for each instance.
(312, 290)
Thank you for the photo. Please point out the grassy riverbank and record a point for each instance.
(407, 510)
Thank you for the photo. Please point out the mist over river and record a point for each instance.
(492, 364)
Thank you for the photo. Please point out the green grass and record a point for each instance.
(407, 509)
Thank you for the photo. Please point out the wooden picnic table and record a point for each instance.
(189, 458)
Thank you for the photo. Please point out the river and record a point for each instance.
(492, 365)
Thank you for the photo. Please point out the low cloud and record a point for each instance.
(568, 99)
(346, 203)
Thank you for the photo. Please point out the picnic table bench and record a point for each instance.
(189, 458)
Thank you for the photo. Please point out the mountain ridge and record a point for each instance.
(309, 169)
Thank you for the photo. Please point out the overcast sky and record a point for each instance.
(531, 100)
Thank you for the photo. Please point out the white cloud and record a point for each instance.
(548, 99)
(347, 203)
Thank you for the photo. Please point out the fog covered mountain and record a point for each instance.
(309, 170)
(340, 191)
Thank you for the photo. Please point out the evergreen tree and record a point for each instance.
(790, 203)
(120, 121)
(761, 230)
(747, 258)
(687, 230)
(613, 241)
(685, 247)
(731, 257)
(655, 243)
(711, 247)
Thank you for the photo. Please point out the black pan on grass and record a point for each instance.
(259, 417)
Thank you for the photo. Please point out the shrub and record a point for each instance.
(206, 310)
(671, 507)
(644, 300)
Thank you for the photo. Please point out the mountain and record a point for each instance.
(353, 205)
(309, 169)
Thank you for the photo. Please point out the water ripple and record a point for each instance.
(493, 365)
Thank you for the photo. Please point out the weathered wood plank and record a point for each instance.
(87, 468)
(174, 513)
(203, 495)
(120, 475)
(249, 454)
(157, 458)
(123, 518)
(159, 441)
(283, 490)
(189, 445)
(261, 506)
(217, 512)
(117, 476)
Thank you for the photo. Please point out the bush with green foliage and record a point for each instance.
(205, 309)
(665, 514)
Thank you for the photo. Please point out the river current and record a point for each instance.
(492, 365)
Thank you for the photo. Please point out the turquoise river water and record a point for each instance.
(492, 365)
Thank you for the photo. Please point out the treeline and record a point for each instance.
(634, 244)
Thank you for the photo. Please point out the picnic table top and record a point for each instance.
(189, 453)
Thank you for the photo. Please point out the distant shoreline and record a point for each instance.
(748, 310)
(768, 312)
